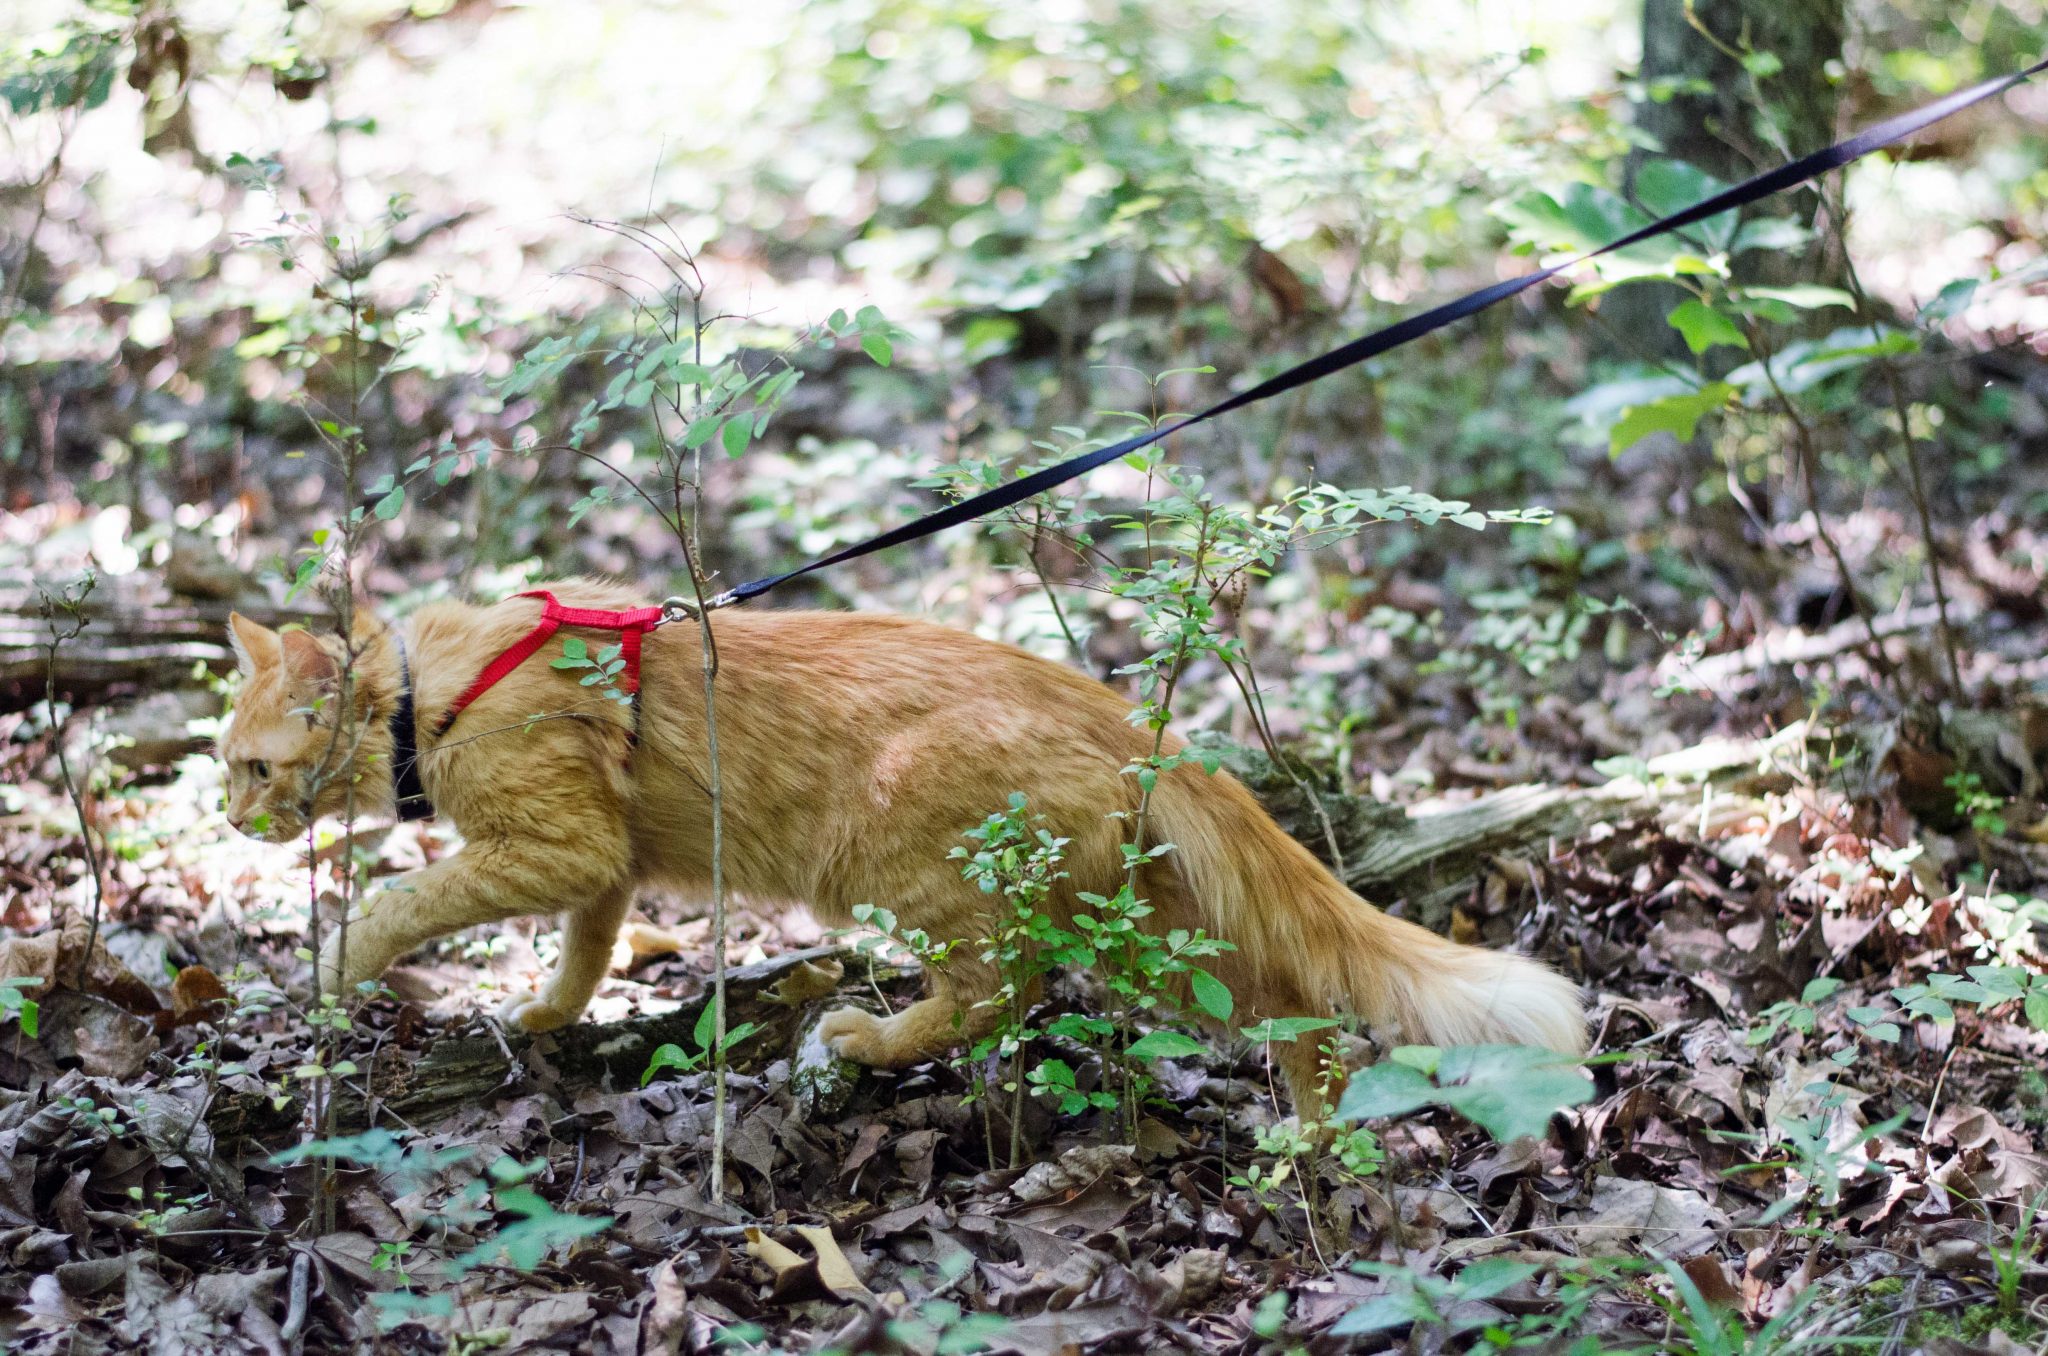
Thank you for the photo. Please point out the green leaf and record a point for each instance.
(1507, 1090)
(1816, 989)
(1165, 1045)
(1678, 415)
(1951, 301)
(2037, 1008)
(2000, 982)
(1382, 1312)
(1781, 234)
(527, 1243)
(876, 346)
(701, 432)
(388, 507)
(737, 434)
(1385, 1089)
(1804, 296)
(1286, 1028)
(670, 1056)
(1492, 1276)
(1212, 995)
(1703, 327)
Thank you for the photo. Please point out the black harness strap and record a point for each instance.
(413, 803)
(1402, 332)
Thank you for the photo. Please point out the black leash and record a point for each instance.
(1401, 332)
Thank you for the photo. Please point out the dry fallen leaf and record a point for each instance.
(1669, 1221)
(798, 1277)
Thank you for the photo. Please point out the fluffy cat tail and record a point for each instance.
(1309, 945)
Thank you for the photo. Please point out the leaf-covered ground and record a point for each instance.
(1799, 1133)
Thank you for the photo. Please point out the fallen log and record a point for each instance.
(1434, 854)
(131, 644)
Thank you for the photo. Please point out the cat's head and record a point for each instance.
(284, 749)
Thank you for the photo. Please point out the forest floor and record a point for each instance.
(1798, 1136)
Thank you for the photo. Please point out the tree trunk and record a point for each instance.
(1700, 105)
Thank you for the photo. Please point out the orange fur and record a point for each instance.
(856, 749)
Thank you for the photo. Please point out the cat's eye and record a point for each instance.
(259, 769)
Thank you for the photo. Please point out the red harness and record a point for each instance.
(630, 625)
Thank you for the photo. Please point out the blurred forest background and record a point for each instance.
(1738, 690)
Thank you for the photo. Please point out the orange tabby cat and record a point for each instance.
(855, 750)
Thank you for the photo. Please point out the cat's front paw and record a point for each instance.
(856, 1035)
(532, 1013)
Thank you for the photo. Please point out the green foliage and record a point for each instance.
(945, 1329)
(916, 941)
(604, 667)
(669, 1055)
(1016, 856)
(1801, 1016)
(1507, 1090)
(1416, 1298)
(15, 1003)
(1703, 1328)
(71, 67)
(1984, 810)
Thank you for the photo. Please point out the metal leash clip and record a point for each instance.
(679, 608)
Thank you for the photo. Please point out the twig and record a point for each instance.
(295, 1310)
(1916, 478)
(1809, 458)
(70, 605)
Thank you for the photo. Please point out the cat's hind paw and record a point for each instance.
(532, 1013)
(859, 1036)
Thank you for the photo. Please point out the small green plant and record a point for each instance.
(164, 1211)
(673, 1056)
(1984, 810)
(1298, 1146)
(16, 1004)
(1016, 856)
(1802, 1016)
(1013, 854)
(2012, 1260)
(390, 1258)
(96, 1119)
(1417, 1298)
(604, 667)
(468, 1216)
(888, 934)
(1141, 973)
(1812, 1152)
(945, 1329)
(1700, 1327)
(1507, 1090)
(538, 1228)
(1984, 988)
(1458, 1306)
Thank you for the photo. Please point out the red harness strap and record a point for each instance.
(631, 626)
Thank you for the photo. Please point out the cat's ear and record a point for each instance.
(256, 645)
(307, 661)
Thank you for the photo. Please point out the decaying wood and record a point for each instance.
(1433, 855)
(130, 644)
(1725, 673)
